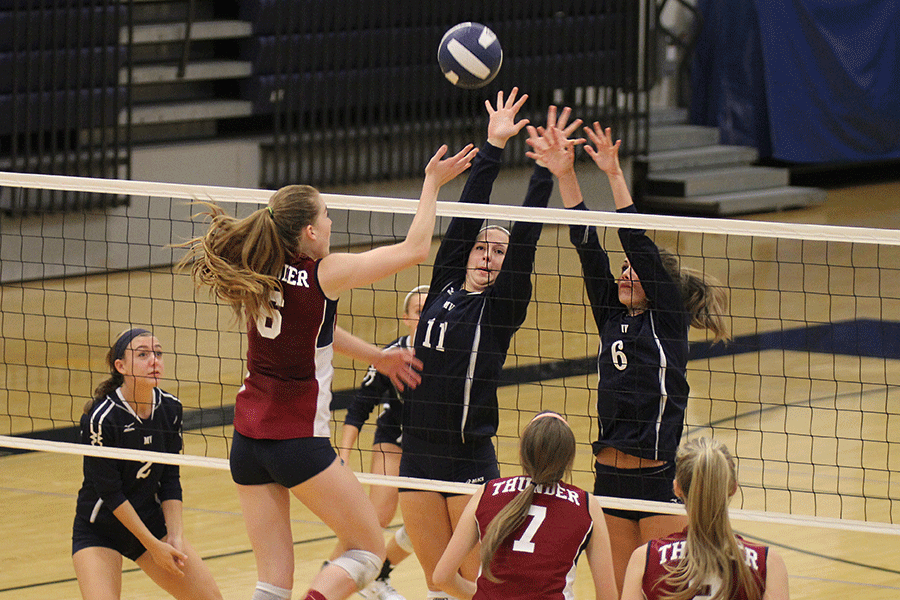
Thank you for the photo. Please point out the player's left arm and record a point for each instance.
(632, 587)
(446, 573)
(513, 283)
(400, 364)
(776, 578)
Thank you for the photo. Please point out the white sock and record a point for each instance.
(267, 591)
(402, 539)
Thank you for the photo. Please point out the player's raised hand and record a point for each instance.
(503, 125)
(441, 170)
(604, 153)
(551, 148)
(562, 122)
(401, 366)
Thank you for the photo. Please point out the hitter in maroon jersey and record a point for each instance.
(276, 270)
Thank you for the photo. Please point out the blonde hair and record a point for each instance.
(704, 296)
(421, 289)
(546, 451)
(706, 473)
(496, 228)
(241, 260)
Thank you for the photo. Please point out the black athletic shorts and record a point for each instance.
(285, 462)
(387, 434)
(113, 534)
(648, 483)
(475, 462)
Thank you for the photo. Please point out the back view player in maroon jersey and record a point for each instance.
(706, 561)
(532, 528)
(276, 270)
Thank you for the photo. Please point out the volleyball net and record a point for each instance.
(806, 394)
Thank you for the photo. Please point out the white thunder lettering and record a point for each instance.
(294, 276)
(518, 484)
(677, 551)
(751, 557)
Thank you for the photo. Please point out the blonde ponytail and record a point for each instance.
(706, 473)
(705, 298)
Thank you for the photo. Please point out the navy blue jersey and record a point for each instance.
(642, 360)
(108, 482)
(462, 338)
(377, 389)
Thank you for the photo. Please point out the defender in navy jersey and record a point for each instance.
(533, 528)
(643, 316)
(716, 564)
(478, 297)
(276, 270)
(377, 390)
(130, 508)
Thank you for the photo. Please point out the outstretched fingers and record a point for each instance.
(445, 169)
(604, 152)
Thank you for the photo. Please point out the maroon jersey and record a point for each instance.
(537, 561)
(670, 549)
(287, 390)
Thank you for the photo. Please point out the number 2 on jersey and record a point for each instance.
(524, 543)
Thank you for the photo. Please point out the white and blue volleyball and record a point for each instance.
(470, 55)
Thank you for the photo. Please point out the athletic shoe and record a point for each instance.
(380, 589)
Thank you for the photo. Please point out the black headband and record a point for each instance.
(125, 339)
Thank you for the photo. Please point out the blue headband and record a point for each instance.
(125, 339)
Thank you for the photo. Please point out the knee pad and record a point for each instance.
(402, 539)
(362, 566)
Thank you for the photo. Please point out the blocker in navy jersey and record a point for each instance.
(463, 337)
(287, 390)
(108, 482)
(537, 560)
(666, 552)
(377, 389)
(642, 361)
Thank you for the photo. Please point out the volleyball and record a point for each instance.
(470, 55)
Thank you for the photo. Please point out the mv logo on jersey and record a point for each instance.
(624, 327)
(148, 439)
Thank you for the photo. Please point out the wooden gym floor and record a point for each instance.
(38, 490)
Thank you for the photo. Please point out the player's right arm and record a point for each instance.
(776, 578)
(165, 555)
(339, 272)
(599, 554)
(446, 573)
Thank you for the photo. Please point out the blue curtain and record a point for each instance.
(806, 81)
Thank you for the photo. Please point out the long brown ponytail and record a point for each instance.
(546, 451)
(241, 260)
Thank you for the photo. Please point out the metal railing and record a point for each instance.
(63, 108)
(357, 96)
(348, 93)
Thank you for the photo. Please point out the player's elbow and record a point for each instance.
(418, 252)
(442, 576)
